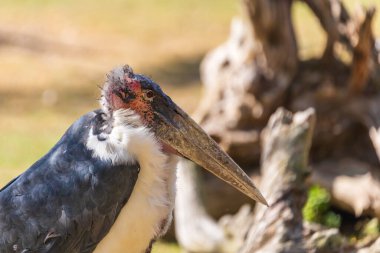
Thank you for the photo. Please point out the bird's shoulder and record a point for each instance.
(68, 199)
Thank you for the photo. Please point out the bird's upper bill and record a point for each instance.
(174, 129)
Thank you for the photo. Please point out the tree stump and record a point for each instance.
(258, 70)
(286, 144)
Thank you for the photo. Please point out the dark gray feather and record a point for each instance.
(68, 200)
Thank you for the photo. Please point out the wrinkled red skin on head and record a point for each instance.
(133, 85)
(140, 106)
(137, 104)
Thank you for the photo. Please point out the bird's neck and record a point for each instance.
(147, 213)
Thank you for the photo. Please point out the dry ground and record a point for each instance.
(54, 53)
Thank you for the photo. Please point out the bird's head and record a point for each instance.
(173, 128)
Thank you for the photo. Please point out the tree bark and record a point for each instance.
(286, 145)
(353, 185)
(258, 70)
(196, 231)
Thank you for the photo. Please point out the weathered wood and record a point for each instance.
(195, 230)
(373, 248)
(362, 54)
(286, 144)
(319, 239)
(336, 21)
(257, 70)
(374, 134)
(232, 74)
(367, 111)
(273, 31)
(354, 185)
(229, 73)
(247, 77)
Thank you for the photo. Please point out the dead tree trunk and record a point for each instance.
(257, 70)
(195, 229)
(286, 144)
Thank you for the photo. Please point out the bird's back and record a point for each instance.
(68, 200)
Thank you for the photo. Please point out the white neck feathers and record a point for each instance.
(152, 200)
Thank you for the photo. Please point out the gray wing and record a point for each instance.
(66, 202)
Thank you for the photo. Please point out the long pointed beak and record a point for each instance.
(176, 129)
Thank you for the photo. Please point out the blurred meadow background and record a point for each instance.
(54, 54)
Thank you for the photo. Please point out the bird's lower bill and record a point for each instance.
(177, 130)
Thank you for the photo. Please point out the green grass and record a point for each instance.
(161, 247)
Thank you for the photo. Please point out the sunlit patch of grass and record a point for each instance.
(164, 247)
(26, 137)
(140, 32)
(309, 33)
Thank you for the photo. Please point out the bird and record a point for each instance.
(120, 158)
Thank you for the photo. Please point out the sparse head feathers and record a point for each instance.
(124, 89)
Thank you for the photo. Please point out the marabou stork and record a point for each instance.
(120, 158)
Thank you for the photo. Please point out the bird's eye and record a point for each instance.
(149, 95)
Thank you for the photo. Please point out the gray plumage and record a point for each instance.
(68, 200)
